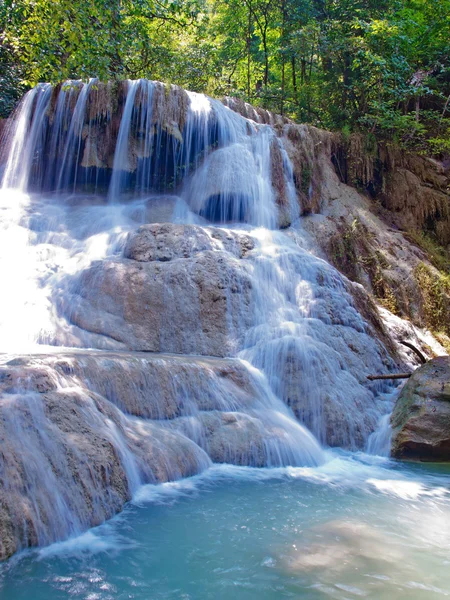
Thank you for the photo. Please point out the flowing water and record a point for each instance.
(318, 523)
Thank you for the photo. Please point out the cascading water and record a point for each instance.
(121, 163)
(208, 273)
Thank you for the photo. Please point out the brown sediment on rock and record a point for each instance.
(170, 108)
(307, 148)
(414, 189)
(278, 174)
(102, 101)
(5, 138)
(76, 89)
(52, 106)
(97, 147)
(255, 113)
(242, 108)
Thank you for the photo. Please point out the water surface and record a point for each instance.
(357, 527)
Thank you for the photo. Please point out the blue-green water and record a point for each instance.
(358, 527)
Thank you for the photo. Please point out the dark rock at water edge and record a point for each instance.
(421, 417)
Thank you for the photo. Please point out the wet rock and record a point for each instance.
(13, 377)
(70, 460)
(340, 546)
(222, 191)
(166, 242)
(421, 418)
(230, 437)
(165, 387)
(179, 290)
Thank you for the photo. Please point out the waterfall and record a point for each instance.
(27, 145)
(73, 138)
(145, 218)
(121, 164)
(165, 142)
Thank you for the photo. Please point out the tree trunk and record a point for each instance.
(249, 32)
(294, 76)
(266, 59)
(393, 376)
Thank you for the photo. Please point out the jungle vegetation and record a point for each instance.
(377, 66)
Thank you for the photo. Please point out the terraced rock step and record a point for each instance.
(80, 431)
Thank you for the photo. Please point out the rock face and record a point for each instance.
(191, 289)
(414, 189)
(69, 457)
(366, 244)
(421, 418)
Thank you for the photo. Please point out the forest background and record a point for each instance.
(375, 66)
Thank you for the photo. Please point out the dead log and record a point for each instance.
(392, 376)
(422, 358)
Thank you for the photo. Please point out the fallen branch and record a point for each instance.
(393, 376)
(416, 351)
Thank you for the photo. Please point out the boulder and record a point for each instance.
(179, 288)
(70, 459)
(421, 417)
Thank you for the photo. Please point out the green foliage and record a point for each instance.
(434, 286)
(381, 67)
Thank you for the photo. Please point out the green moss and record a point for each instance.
(350, 251)
(444, 340)
(114, 94)
(437, 254)
(371, 145)
(306, 180)
(342, 252)
(435, 288)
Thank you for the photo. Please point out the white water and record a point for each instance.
(121, 163)
(299, 348)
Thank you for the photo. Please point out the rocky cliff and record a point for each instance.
(273, 264)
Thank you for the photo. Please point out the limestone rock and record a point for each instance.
(70, 460)
(231, 437)
(173, 292)
(421, 418)
(192, 290)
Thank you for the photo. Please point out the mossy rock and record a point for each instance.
(421, 417)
